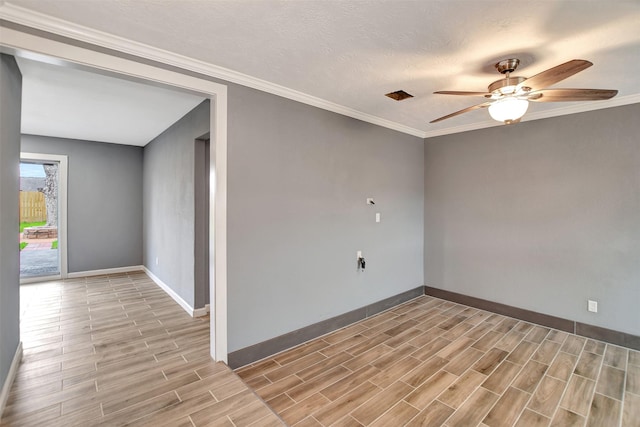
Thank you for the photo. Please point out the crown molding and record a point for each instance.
(39, 21)
(556, 112)
(584, 107)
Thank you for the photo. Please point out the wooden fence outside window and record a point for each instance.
(32, 206)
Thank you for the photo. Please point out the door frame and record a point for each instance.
(63, 167)
(33, 46)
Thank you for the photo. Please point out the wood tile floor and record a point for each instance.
(116, 350)
(431, 362)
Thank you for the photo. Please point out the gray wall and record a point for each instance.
(169, 205)
(104, 201)
(10, 106)
(298, 179)
(201, 196)
(542, 215)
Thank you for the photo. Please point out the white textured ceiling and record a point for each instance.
(71, 103)
(353, 52)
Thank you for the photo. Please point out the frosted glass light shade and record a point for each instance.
(508, 109)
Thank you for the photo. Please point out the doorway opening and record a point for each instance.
(21, 43)
(43, 190)
(16, 42)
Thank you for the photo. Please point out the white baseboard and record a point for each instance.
(38, 279)
(11, 375)
(104, 271)
(177, 298)
(199, 312)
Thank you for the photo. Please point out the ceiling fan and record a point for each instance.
(509, 97)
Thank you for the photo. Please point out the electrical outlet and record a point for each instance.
(593, 306)
(156, 260)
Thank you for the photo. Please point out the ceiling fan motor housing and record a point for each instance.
(506, 86)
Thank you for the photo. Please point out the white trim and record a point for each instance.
(199, 312)
(218, 225)
(105, 271)
(11, 375)
(39, 279)
(564, 109)
(63, 173)
(177, 298)
(33, 19)
(19, 43)
(556, 112)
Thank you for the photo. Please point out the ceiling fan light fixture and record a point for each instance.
(508, 110)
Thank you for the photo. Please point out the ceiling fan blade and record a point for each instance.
(556, 74)
(466, 110)
(566, 95)
(455, 92)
